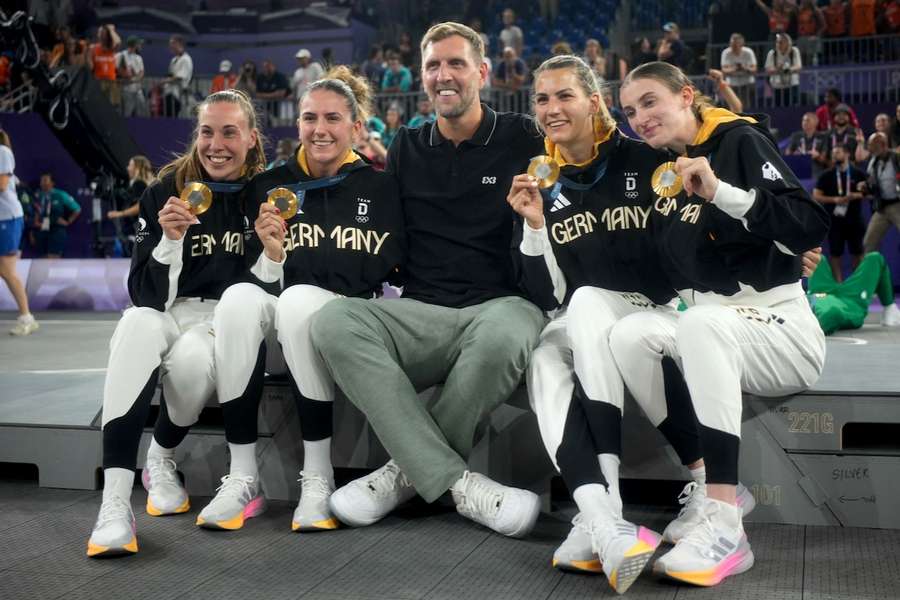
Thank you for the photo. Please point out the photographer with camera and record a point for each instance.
(883, 184)
(783, 64)
(739, 66)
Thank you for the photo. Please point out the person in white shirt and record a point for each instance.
(783, 64)
(511, 36)
(739, 67)
(307, 71)
(181, 70)
(131, 72)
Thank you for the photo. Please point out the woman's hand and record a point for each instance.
(526, 200)
(271, 229)
(175, 218)
(811, 259)
(697, 177)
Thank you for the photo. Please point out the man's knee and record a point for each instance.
(336, 323)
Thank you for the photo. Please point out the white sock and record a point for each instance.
(699, 475)
(243, 459)
(609, 466)
(26, 318)
(156, 450)
(317, 458)
(593, 501)
(118, 482)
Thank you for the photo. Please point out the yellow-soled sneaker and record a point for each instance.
(714, 549)
(165, 494)
(312, 512)
(114, 532)
(576, 553)
(236, 500)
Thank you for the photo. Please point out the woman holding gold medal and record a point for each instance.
(188, 250)
(588, 251)
(328, 226)
(732, 249)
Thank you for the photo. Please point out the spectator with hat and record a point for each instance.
(843, 133)
(307, 71)
(226, 79)
(131, 73)
(825, 112)
(671, 49)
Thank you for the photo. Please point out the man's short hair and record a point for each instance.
(449, 28)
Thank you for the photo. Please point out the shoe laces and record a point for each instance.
(113, 508)
(702, 536)
(236, 486)
(691, 498)
(162, 470)
(387, 480)
(479, 496)
(313, 484)
(603, 532)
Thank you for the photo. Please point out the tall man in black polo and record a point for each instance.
(461, 321)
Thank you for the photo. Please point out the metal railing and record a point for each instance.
(821, 51)
(19, 100)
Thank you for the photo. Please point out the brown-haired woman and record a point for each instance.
(181, 265)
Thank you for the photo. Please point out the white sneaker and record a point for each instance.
(576, 553)
(237, 499)
(623, 548)
(507, 510)
(312, 512)
(165, 494)
(891, 316)
(369, 499)
(692, 498)
(24, 326)
(114, 532)
(713, 550)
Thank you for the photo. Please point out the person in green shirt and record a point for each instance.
(845, 305)
(54, 211)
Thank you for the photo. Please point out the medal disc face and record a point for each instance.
(285, 201)
(665, 181)
(196, 197)
(545, 170)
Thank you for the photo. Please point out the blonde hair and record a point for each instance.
(672, 79)
(447, 29)
(143, 167)
(353, 88)
(187, 167)
(4, 139)
(586, 79)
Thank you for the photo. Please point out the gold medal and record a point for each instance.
(196, 197)
(665, 181)
(545, 170)
(285, 201)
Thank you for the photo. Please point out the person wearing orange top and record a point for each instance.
(225, 80)
(810, 27)
(102, 61)
(4, 71)
(862, 17)
(779, 15)
(835, 18)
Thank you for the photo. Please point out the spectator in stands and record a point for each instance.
(671, 49)
(836, 14)
(511, 72)
(825, 112)
(779, 15)
(370, 145)
(783, 64)
(888, 22)
(882, 125)
(862, 17)
(614, 111)
(247, 79)
(285, 150)
(67, 51)
(5, 71)
(811, 142)
(12, 223)
(181, 71)
(307, 71)
(739, 66)
(56, 210)
(843, 133)
(226, 79)
(511, 36)
(724, 96)
(102, 61)
(810, 27)
(272, 87)
(406, 50)
(373, 67)
(397, 78)
(642, 52)
(883, 185)
(424, 113)
(608, 66)
(837, 189)
(895, 129)
(475, 24)
(131, 75)
(393, 121)
(561, 47)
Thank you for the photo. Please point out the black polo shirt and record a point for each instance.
(458, 223)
